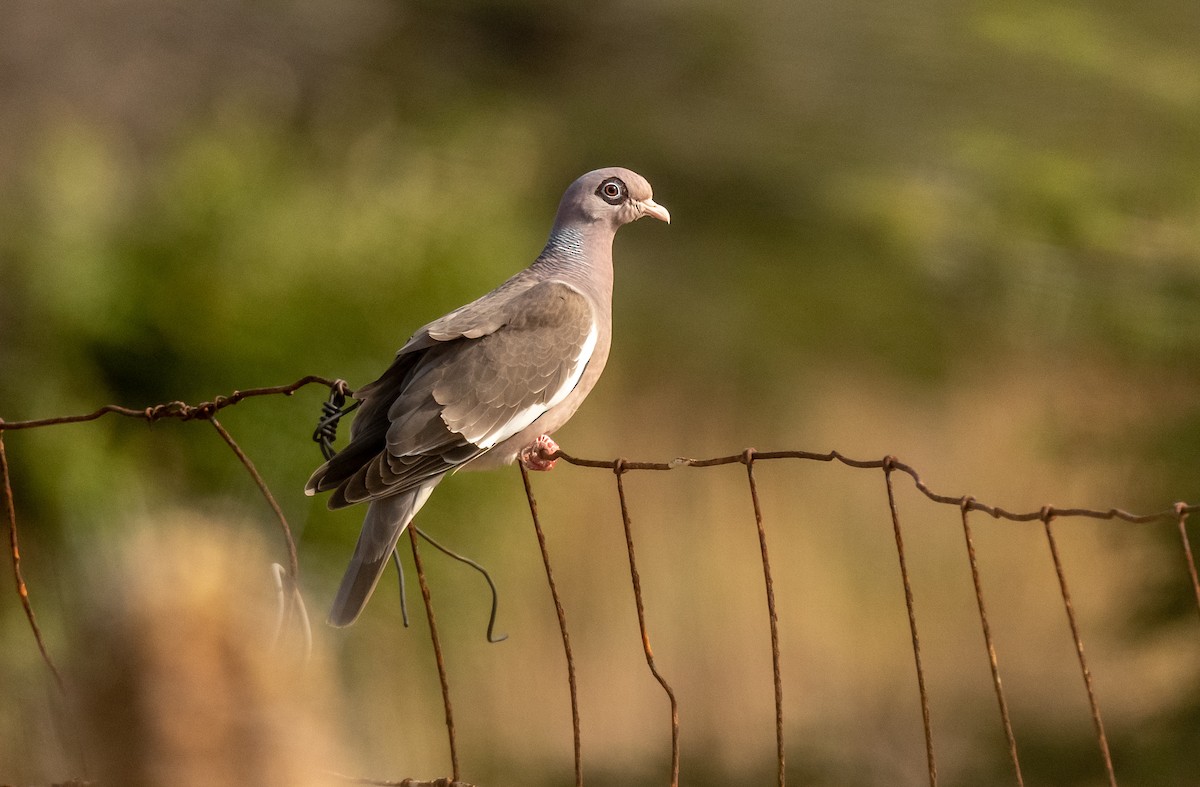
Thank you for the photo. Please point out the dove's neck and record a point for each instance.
(581, 255)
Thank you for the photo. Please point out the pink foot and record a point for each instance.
(535, 455)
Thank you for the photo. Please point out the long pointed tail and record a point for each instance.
(385, 521)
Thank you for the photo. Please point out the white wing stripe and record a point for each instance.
(525, 416)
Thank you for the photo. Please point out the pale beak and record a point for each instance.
(651, 208)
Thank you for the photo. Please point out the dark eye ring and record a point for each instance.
(612, 191)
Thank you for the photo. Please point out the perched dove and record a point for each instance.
(488, 382)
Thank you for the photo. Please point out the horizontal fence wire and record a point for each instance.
(206, 411)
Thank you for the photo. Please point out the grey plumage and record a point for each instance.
(475, 387)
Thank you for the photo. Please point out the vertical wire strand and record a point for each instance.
(294, 598)
(10, 512)
(774, 618)
(293, 559)
(562, 627)
(991, 647)
(1097, 721)
(1181, 512)
(437, 655)
(619, 471)
(912, 624)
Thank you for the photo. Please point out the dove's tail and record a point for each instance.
(386, 520)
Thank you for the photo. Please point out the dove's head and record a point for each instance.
(611, 197)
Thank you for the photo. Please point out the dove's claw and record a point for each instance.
(536, 455)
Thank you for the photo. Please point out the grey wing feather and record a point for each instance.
(514, 371)
(478, 318)
(440, 406)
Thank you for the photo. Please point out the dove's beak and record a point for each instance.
(651, 208)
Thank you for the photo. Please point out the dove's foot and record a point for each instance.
(535, 456)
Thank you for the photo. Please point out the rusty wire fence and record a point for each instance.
(291, 604)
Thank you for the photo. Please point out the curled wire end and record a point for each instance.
(491, 627)
(277, 573)
(286, 603)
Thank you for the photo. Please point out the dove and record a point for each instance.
(488, 383)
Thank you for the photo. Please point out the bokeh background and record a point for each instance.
(966, 234)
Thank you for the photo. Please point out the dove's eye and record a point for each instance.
(612, 191)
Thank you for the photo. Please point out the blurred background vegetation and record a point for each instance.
(964, 234)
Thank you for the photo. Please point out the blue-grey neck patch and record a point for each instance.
(565, 243)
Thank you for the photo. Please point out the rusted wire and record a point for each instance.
(776, 668)
(491, 626)
(443, 782)
(619, 471)
(1181, 510)
(895, 464)
(437, 655)
(1048, 513)
(293, 596)
(183, 411)
(177, 410)
(576, 733)
(207, 411)
(293, 559)
(10, 512)
(888, 465)
(991, 647)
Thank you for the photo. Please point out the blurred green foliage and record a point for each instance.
(198, 198)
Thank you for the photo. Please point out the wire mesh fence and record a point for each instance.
(291, 610)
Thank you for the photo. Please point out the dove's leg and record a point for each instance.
(534, 456)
